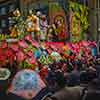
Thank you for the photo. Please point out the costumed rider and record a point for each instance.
(33, 25)
(43, 24)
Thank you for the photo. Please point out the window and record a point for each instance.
(10, 21)
(3, 23)
(0, 11)
(0, 31)
(3, 11)
(11, 8)
(98, 4)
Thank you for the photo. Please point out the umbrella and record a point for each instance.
(27, 84)
(20, 56)
(34, 44)
(30, 53)
(85, 43)
(4, 44)
(28, 38)
(14, 47)
(22, 44)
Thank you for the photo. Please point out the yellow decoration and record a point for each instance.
(17, 13)
(65, 48)
(32, 23)
(14, 32)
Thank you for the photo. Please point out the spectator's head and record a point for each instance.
(87, 76)
(60, 79)
(95, 83)
(97, 60)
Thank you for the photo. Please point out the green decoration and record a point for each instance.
(25, 64)
(79, 21)
(43, 60)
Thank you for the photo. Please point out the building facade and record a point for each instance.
(6, 9)
(94, 18)
(8, 6)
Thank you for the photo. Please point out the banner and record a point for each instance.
(57, 16)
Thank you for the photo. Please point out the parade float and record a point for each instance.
(29, 40)
(31, 43)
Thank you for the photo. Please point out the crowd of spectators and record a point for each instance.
(66, 80)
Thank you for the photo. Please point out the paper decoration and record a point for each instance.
(26, 84)
(4, 73)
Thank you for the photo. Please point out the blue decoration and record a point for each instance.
(37, 54)
(25, 81)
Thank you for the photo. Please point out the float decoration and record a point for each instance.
(79, 21)
(4, 73)
(26, 84)
(21, 26)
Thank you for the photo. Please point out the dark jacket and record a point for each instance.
(68, 93)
